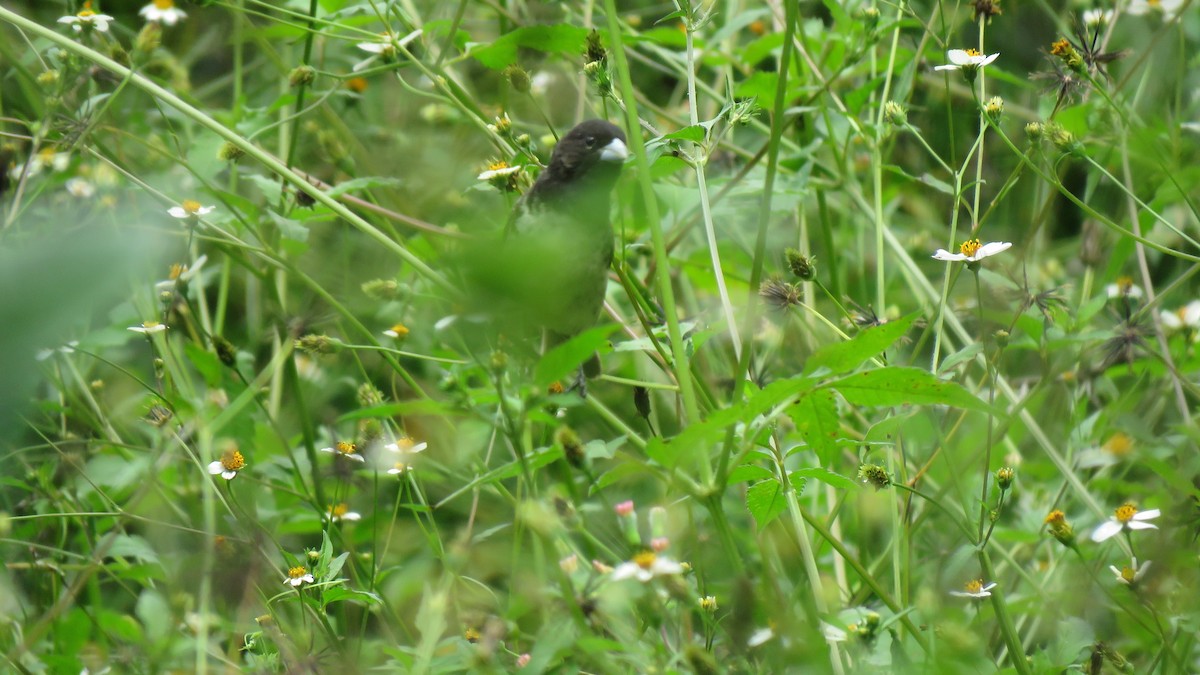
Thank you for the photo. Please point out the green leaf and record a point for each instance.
(362, 183)
(842, 357)
(817, 421)
(132, 546)
(765, 501)
(693, 439)
(694, 133)
(894, 386)
(826, 476)
(205, 362)
(775, 393)
(335, 566)
(338, 593)
(566, 358)
(561, 39)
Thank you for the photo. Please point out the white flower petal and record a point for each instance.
(216, 467)
(944, 255)
(1148, 514)
(1107, 529)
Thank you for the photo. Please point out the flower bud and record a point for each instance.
(302, 75)
(895, 114)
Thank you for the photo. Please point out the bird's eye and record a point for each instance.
(590, 141)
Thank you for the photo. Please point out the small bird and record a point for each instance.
(550, 272)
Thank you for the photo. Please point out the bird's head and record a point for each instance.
(592, 147)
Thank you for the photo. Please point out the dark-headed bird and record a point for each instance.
(550, 271)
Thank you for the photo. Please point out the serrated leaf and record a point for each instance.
(816, 418)
(566, 358)
(560, 38)
(895, 385)
(694, 133)
(694, 438)
(765, 501)
(338, 593)
(842, 357)
(774, 394)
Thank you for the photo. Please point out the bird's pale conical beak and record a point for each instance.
(615, 151)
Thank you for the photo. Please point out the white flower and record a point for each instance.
(1132, 574)
(229, 465)
(58, 161)
(966, 58)
(1095, 18)
(1186, 317)
(88, 19)
(1126, 517)
(645, 566)
(180, 274)
(345, 449)
(190, 209)
(405, 448)
(972, 251)
(163, 11)
(1124, 288)
(760, 636)
(1168, 7)
(149, 328)
(499, 170)
(78, 187)
(974, 589)
(298, 575)
(342, 511)
(397, 331)
(384, 47)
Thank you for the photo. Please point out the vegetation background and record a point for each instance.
(814, 448)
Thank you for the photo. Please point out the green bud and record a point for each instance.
(302, 75)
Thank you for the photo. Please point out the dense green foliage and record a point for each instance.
(253, 418)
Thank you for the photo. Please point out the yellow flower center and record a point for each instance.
(1060, 48)
(357, 84)
(297, 572)
(1056, 517)
(497, 165)
(645, 559)
(85, 14)
(1125, 284)
(151, 325)
(191, 206)
(471, 635)
(400, 466)
(1128, 573)
(1154, 3)
(177, 271)
(345, 448)
(164, 4)
(405, 444)
(555, 387)
(972, 52)
(974, 586)
(46, 155)
(970, 247)
(1120, 444)
(232, 460)
(400, 330)
(1125, 513)
(339, 510)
